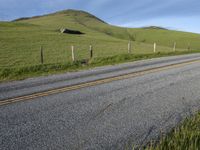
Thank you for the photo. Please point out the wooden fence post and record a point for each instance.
(174, 49)
(41, 55)
(154, 47)
(91, 52)
(73, 57)
(129, 47)
(189, 46)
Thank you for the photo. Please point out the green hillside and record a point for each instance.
(20, 40)
(90, 24)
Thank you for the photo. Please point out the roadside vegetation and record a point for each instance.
(19, 73)
(184, 137)
(20, 43)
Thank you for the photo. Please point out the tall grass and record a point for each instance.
(184, 137)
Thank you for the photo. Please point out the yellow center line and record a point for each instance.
(93, 83)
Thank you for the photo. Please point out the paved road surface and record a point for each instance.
(127, 104)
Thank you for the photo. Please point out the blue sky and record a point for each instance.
(174, 14)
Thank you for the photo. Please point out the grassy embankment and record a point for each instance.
(20, 43)
(184, 137)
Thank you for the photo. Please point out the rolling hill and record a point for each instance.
(21, 39)
(90, 24)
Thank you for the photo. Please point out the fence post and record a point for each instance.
(73, 58)
(188, 46)
(91, 52)
(174, 46)
(41, 55)
(154, 47)
(129, 47)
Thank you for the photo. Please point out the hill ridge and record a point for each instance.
(68, 12)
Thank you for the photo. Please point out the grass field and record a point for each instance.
(20, 41)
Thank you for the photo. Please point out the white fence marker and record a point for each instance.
(154, 47)
(174, 46)
(129, 47)
(73, 58)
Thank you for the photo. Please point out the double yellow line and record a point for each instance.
(93, 83)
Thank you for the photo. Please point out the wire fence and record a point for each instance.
(47, 55)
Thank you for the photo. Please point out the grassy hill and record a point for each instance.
(20, 40)
(90, 24)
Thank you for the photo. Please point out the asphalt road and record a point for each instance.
(109, 107)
